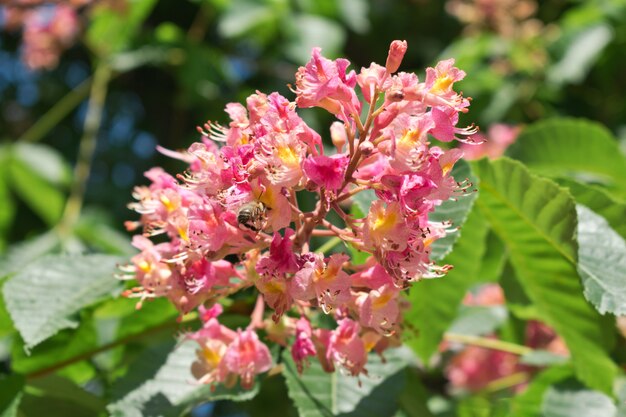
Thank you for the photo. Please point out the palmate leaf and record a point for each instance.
(434, 303)
(43, 297)
(316, 393)
(536, 220)
(601, 263)
(574, 148)
(152, 389)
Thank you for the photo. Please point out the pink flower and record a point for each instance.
(303, 346)
(371, 79)
(346, 349)
(281, 155)
(326, 171)
(379, 309)
(324, 83)
(281, 258)
(247, 357)
(214, 340)
(325, 281)
(397, 49)
(385, 227)
(445, 130)
(439, 80)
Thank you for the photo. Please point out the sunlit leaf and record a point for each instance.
(43, 297)
(537, 222)
(601, 262)
(575, 148)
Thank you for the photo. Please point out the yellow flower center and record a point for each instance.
(442, 84)
(211, 356)
(169, 205)
(288, 155)
(410, 138)
(382, 300)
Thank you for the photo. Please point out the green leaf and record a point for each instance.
(7, 208)
(493, 261)
(44, 198)
(20, 255)
(10, 394)
(167, 390)
(600, 201)
(571, 147)
(414, 397)
(537, 222)
(434, 303)
(317, 393)
(570, 398)
(56, 350)
(112, 31)
(601, 263)
(528, 404)
(517, 300)
(454, 211)
(44, 161)
(56, 388)
(43, 297)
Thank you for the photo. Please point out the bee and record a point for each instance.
(252, 215)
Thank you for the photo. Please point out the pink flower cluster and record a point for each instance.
(48, 29)
(232, 221)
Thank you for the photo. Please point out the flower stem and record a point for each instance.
(488, 343)
(57, 113)
(86, 149)
(507, 382)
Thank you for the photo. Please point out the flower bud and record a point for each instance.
(366, 148)
(338, 135)
(396, 53)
